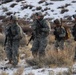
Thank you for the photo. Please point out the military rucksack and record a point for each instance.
(68, 35)
(21, 33)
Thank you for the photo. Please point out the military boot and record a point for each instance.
(10, 62)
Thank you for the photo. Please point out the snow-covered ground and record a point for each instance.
(53, 6)
(31, 71)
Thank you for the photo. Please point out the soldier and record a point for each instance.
(12, 40)
(74, 28)
(60, 33)
(40, 31)
(74, 35)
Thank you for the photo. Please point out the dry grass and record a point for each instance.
(19, 71)
(60, 58)
(53, 58)
(31, 73)
(3, 73)
(26, 50)
(24, 41)
(2, 53)
(2, 37)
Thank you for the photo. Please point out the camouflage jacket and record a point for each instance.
(59, 33)
(74, 32)
(40, 28)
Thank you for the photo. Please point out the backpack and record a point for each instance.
(68, 35)
(48, 23)
(21, 35)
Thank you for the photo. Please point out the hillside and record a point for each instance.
(51, 8)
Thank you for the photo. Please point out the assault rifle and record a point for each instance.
(39, 28)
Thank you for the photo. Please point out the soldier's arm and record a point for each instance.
(33, 26)
(5, 40)
(63, 32)
(45, 26)
(18, 33)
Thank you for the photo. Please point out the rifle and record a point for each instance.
(33, 36)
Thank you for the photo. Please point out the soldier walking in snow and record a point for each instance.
(60, 33)
(74, 34)
(12, 40)
(40, 31)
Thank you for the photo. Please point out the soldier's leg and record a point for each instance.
(15, 52)
(75, 53)
(8, 52)
(42, 46)
(61, 45)
(34, 48)
(56, 45)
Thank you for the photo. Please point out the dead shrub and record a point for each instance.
(5, 9)
(26, 50)
(2, 53)
(2, 38)
(45, 9)
(2, 17)
(51, 39)
(3, 73)
(38, 8)
(61, 58)
(18, 0)
(57, 0)
(31, 73)
(54, 58)
(42, 1)
(19, 71)
(12, 5)
(24, 7)
(6, 1)
(66, 5)
(73, 1)
(24, 41)
(8, 13)
(64, 10)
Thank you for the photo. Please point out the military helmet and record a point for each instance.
(13, 17)
(56, 21)
(39, 14)
(74, 16)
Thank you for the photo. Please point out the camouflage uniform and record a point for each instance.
(40, 37)
(74, 34)
(12, 42)
(60, 34)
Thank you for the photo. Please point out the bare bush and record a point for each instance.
(38, 8)
(42, 1)
(3, 73)
(19, 71)
(64, 10)
(24, 40)
(8, 13)
(2, 38)
(2, 54)
(12, 5)
(5, 9)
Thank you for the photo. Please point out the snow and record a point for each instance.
(30, 69)
(28, 12)
(41, 71)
